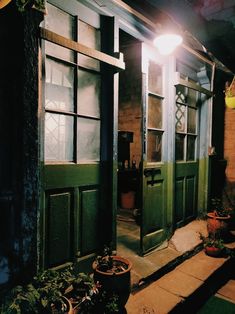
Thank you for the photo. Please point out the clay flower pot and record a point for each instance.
(217, 224)
(213, 251)
(116, 280)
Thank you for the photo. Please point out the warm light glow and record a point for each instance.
(167, 43)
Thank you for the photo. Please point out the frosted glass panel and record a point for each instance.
(88, 93)
(63, 24)
(155, 78)
(191, 120)
(154, 146)
(154, 112)
(90, 37)
(88, 142)
(191, 147)
(59, 86)
(192, 97)
(179, 147)
(58, 137)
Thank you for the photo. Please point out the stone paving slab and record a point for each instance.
(200, 268)
(179, 283)
(228, 290)
(152, 299)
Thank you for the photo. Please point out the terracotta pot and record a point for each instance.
(118, 283)
(213, 251)
(216, 224)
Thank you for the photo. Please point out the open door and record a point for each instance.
(78, 110)
(153, 223)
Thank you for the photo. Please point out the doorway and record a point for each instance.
(129, 147)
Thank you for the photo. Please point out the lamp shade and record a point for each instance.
(3, 3)
(166, 43)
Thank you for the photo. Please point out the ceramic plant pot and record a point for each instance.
(118, 283)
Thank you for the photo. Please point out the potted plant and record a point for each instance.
(28, 299)
(114, 275)
(214, 246)
(218, 218)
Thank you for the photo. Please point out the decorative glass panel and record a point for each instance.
(88, 142)
(180, 118)
(88, 93)
(192, 120)
(59, 86)
(154, 146)
(63, 24)
(180, 94)
(154, 112)
(58, 137)
(191, 147)
(155, 78)
(90, 37)
(179, 147)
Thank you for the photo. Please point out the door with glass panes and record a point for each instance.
(186, 142)
(73, 125)
(154, 173)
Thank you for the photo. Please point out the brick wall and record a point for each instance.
(229, 152)
(129, 117)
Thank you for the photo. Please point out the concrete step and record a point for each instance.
(183, 289)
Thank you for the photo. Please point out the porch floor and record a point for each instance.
(184, 243)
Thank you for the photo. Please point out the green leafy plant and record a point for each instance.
(23, 4)
(218, 208)
(106, 263)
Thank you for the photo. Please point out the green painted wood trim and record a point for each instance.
(65, 176)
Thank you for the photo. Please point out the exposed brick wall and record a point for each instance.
(129, 117)
(229, 152)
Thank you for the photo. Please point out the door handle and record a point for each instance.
(151, 172)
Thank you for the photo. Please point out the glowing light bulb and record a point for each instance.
(167, 43)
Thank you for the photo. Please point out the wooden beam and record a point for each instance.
(180, 81)
(80, 48)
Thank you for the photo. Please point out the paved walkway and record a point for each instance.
(185, 287)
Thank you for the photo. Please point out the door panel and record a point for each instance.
(153, 226)
(58, 227)
(185, 192)
(154, 208)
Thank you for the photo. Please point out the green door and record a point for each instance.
(186, 153)
(153, 226)
(77, 115)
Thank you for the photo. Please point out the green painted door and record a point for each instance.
(186, 153)
(77, 111)
(153, 225)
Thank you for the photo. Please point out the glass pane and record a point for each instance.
(59, 86)
(63, 24)
(180, 118)
(192, 120)
(155, 78)
(88, 93)
(179, 147)
(88, 140)
(58, 137)
(154, 112)
(90, 37)
(191, 147)
(154, 146)
(192, 97)
(180, 94)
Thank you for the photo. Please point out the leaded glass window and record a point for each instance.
(186, 123)
(155, 113)
(72, 93)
